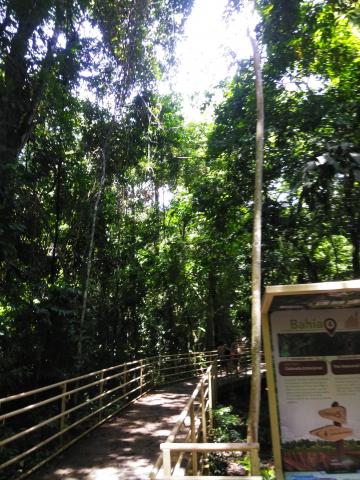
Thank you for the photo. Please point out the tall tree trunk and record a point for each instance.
(155, 182)
(20, 95)
(157, 215)
(210, 311)
(53, 270)
(254, 409)
(89, 259)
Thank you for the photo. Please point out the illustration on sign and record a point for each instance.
(336, 432)
(332, 433)
(334, 413)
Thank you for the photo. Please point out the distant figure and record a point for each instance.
(224, 355)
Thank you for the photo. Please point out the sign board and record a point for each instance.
(312, 354)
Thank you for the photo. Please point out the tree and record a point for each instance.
(60, 212)
(255, 395)
(33, 59)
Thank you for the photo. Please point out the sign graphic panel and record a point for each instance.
(317, 372)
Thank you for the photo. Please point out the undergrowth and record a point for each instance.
(230, 427)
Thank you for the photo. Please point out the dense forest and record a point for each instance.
(125, 231)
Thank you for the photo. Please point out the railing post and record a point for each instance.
(141, 376)
(2, 421)
(203, 413)
(152, 366)
(214, 377)
(125, 379)
(101, 391)
(255, 461)
(160, 375)
(167, 462)
(241, 362)
(211, 396)
(194, 459)
(237, 364)
(63, 406)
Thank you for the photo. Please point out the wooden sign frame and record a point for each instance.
(337, 294)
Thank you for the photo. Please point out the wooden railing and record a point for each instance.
(193, 422)
(190, 434)
(39, 424)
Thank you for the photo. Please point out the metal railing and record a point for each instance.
(39, 424)
(190, 434)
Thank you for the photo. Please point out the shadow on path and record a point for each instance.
(126, 447)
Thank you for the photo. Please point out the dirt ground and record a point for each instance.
(126, 447)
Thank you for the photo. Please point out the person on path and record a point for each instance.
(224, 356)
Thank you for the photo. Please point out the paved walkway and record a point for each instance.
(126, 447)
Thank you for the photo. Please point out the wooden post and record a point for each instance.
(125, 379)
(101, 391)
(2, 424)
(154, 376)
(211, 399)
(3, 420)
(159, 374)
(63, 409)
(204, 463)
(203, 413)
(201, 364)
(194, 460)
(141, 376)
(214, 382)
(190, 363)
(63, 406)
(254, 461)
(167, 462)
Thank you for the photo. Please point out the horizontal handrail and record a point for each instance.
(174, 356)
(65, 394)
(199, 423)
(209, 447)
(66, 414)
(210, 477)
(198, 411)
(21, 395)
(183, 415)
(56, 435)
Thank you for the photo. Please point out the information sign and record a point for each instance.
(315, 363)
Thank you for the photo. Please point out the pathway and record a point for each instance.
(126, 447)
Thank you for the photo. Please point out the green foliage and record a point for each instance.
(170, 261)
(52, 165)
(172, 243)
(230, 427)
